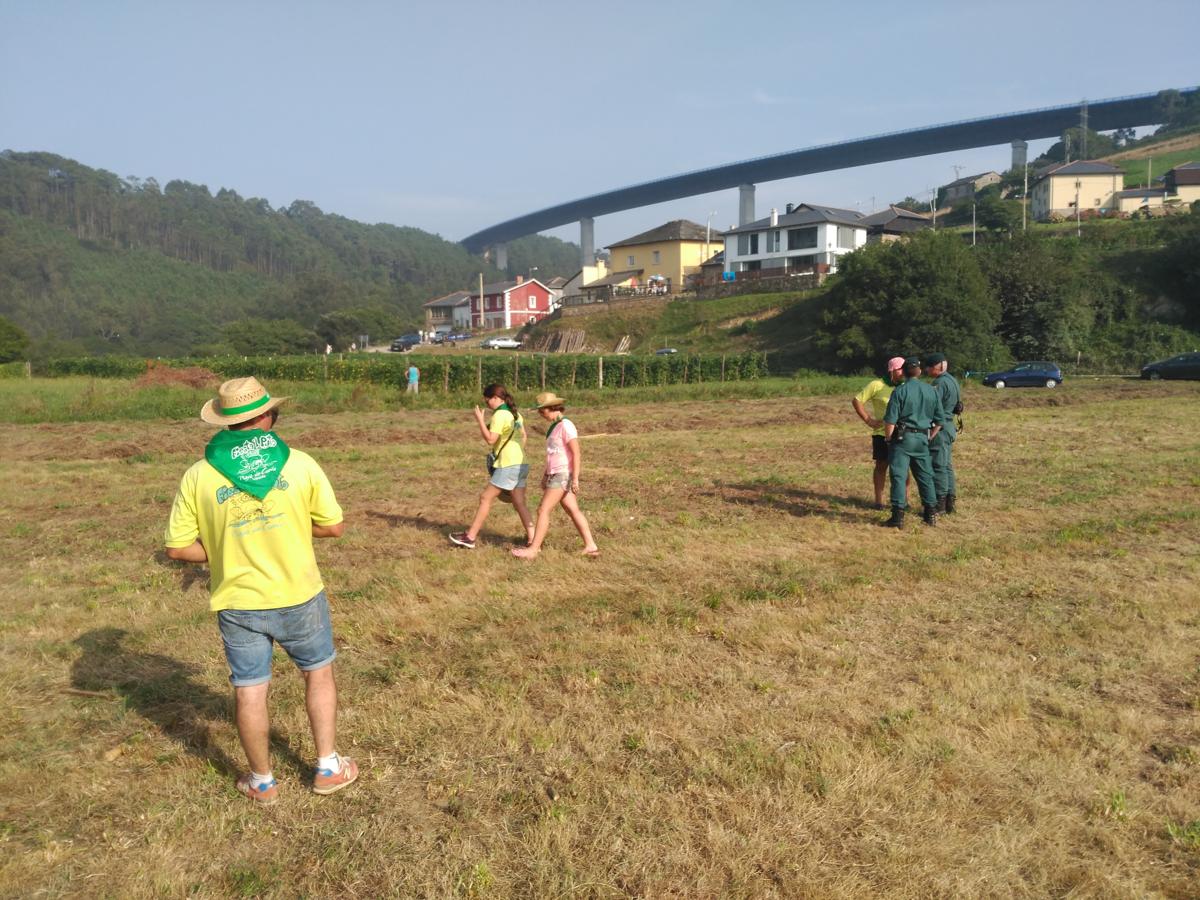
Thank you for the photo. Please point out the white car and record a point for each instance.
(501, 343)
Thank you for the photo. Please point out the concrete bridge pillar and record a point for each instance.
(500, 255)
(587, 241)
(1020, 154)
(745, 204)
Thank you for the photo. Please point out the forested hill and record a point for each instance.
(92, 262)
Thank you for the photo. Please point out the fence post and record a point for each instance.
(574, 364)
(446, 377)
(479, 373)
(600, 374)
(722, 366)
(28, 369)
(516, 371)
(622, 373)
(543, 372)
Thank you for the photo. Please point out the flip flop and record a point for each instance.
(591, 554)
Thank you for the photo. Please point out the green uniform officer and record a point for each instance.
(912, 413)
(941, 446)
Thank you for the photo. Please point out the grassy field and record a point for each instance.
(754, 692)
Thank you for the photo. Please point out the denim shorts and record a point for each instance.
(558, 481)
(511, 477)
(303, 631)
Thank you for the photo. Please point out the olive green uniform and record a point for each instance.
(942, 445)
(914, 406)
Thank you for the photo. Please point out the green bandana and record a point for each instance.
(253, 459)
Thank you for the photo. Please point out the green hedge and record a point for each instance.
(519, 371)
(12, 369)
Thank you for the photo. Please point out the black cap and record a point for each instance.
(912, 361)
(934, 358)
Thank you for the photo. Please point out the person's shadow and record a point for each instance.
(165, 691)
(796, 501)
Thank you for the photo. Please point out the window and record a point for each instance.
(630, 259)
(657, 257)
(802, 238)
(532, 302)
(845, 238)
(772, 241)
(754, 243)
(743, 245)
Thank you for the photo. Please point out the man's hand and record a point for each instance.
(328, 531)
(874, 423)
(193, 553)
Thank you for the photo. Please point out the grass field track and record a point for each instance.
(754, 692)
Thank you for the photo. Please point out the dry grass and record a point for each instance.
(754, 693)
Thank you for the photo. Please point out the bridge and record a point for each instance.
(1016, 128)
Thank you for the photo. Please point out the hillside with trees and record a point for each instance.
(91, 263)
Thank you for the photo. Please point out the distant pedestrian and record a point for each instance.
(560, 482)
(507, 469)
(941, 447)
(870, 403)
(913, 416)
(251, 509)
(414, 379)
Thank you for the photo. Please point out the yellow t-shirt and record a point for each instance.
(874, 397)
(502, 424)
(260, 552)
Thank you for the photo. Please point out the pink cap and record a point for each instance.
(896, 362)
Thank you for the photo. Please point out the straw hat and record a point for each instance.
(549, 398)
(239, 400)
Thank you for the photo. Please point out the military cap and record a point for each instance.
(934, 358)
(913, 361)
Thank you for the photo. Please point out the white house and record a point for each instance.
(806, 238)
(449, 313)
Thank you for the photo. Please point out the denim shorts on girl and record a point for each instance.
(303, 631)
(511, 477)
(558, 481)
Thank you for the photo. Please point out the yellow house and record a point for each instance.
(1094, 184)
(669, 256)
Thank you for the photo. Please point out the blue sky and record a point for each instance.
(453, 116)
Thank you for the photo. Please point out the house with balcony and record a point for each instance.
(1064, 189)
(807, 238)
(447, 314)
(510, 304)
(668, 256)
(1183, 182)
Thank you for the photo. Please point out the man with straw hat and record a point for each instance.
(251, 509)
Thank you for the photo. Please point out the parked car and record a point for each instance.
(501, 343)
(400, 345)
(411, 338)
(1185, 365)
(1026, 374)
(665, 351)
(453, 337)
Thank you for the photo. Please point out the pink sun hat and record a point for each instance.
(896, 362)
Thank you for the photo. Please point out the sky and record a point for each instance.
(454, 116)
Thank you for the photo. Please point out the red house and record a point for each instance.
(510, 304)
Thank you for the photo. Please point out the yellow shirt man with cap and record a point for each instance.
(250, 509)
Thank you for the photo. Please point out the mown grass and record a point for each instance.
(754, 692)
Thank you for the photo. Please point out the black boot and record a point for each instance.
(941, 504)
(897, 519)
(929, 515)
(948, 509)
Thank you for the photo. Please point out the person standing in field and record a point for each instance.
(913, 416)
(507, 468)
(414, 379)
(560, 482)
(870, 403)
(251, 509)
(941, 446)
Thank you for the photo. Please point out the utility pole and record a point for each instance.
(1025, 196)
(972, 222)
(1083, 129)
(1079, 231)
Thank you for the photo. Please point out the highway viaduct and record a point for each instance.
(1015, 128)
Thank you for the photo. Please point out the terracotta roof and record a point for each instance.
(613, 278)
(678, 230)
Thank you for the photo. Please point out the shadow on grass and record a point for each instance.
(189, 574)
(395, 520)
(798, 501)
(165, 691)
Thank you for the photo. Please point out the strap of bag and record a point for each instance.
(516, 424)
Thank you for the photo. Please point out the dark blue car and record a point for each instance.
(1026, 374)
